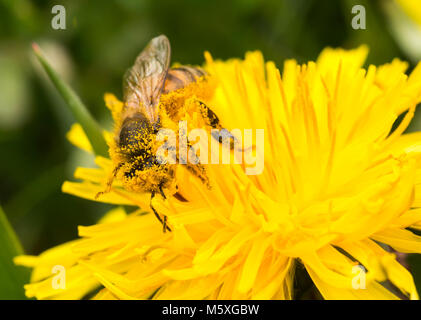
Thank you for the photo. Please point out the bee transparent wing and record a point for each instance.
(143, 83)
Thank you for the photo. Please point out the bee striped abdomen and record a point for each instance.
(180, 77)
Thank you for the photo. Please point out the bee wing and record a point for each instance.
(143, 83)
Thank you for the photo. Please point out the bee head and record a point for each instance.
(147, 174)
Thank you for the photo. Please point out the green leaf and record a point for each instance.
(12, 277)
(78, 109)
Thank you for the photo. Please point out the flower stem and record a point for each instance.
(76, 106)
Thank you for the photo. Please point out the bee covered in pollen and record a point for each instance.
(146, 109)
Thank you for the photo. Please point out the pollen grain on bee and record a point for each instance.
(201, 146)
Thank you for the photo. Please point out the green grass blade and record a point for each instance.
(78, 109)
(12, 278)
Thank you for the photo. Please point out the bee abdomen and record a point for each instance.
(180, 77)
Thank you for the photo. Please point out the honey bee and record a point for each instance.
(143, 84)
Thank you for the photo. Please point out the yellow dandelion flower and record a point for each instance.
(338, 189)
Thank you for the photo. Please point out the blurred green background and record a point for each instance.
(101, 41)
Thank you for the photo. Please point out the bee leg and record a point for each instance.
(164, 225)
(178, 195)
(199, 171)
(212, 120)
(109, 182)
(162, 192)
(195, 167)
(163, 222)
